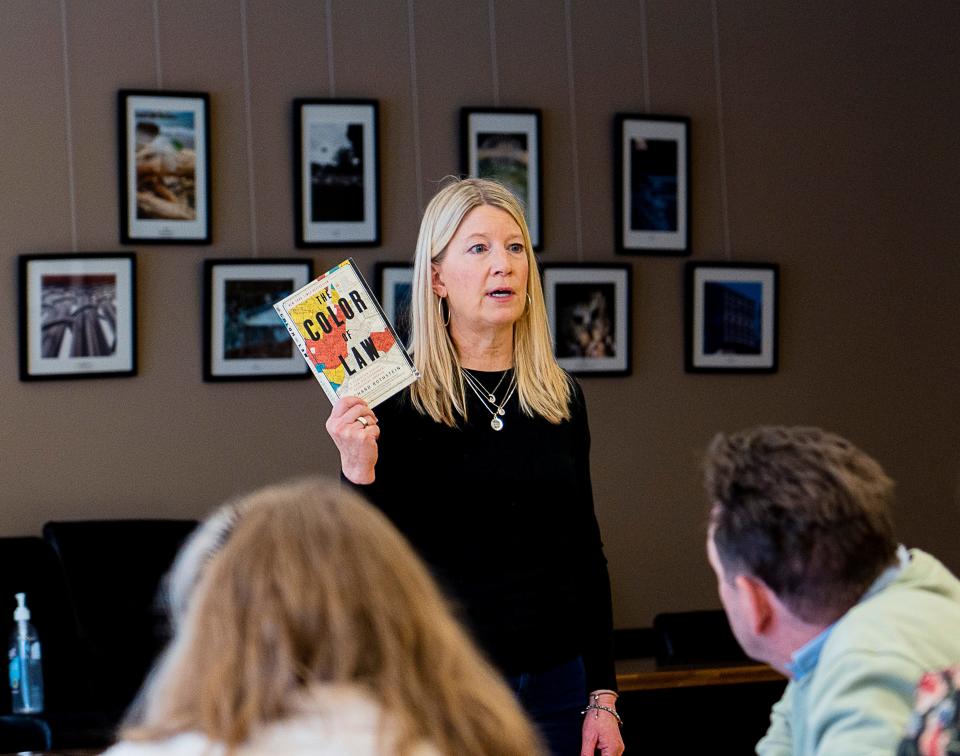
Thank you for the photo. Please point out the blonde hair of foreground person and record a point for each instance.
(303, 584)
(542, 386)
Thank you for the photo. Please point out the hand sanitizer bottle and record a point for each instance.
(26, 673)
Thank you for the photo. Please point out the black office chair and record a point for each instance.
(700, 637)
(113, 571)
(21, 732)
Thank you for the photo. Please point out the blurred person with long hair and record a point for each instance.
(484, 464)
(304, 623)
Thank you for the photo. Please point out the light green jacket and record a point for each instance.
(858, 698)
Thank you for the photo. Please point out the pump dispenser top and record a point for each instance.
(21, 613)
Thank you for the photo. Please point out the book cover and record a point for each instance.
(342, 333)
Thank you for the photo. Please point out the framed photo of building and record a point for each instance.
(652, 193)
(505, 144)
(731, 317)
(588, 309)
(78, 315)
(164, 167)
(395, 292)
(337, 181)
(244, 339)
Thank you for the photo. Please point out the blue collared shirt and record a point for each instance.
(806, 657)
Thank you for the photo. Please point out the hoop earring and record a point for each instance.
(529, 300)
(440, 310)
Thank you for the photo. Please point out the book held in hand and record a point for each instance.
(342, 333)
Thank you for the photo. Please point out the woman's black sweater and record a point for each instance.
(505, 520)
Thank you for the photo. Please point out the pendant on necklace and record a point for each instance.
(496, 423)
(491, 398)
(500, 411)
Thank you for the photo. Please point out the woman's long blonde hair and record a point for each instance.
(542, 386)
(303, 584)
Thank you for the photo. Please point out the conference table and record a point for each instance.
(644, 674)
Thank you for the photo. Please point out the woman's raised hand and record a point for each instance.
(353, 428)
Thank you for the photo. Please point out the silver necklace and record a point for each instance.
(479, 384)
(495, 410)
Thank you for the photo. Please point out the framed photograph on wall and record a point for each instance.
(243, 337)
(652, 193)
(395, 291)
(337, 181)
(505, 144)
(731, 317)
(78, 315)
(588, 308)
(164, 167)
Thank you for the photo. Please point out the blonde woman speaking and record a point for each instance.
(484, 465)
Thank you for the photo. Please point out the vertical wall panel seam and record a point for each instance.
(331, 76)
(248, 117)
(574, 147)
(68, 123)
(724, 206)
(415, 103)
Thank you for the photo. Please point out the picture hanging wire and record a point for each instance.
(724, 208)
(248, 118)
(330, 70)
(493, 53)
(575, 158)
(415, 104)
(68, 117)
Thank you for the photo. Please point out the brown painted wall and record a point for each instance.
(824, 139)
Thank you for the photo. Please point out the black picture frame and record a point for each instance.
(731, 317)
(336, 172)
(164, 167)
(243, 337)
(652, 184)
(394, 282)
(589, 312)
(77, 315)
(506, 144)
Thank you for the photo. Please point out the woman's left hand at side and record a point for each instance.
(601, 731)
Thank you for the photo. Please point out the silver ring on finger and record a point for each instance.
(363, 421)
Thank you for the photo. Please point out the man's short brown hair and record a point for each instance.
(803, 510)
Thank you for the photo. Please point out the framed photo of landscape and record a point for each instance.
(588, 309)
(505, 144)
(652, 192)
(337, 174)
(78, 315)
(731, 317)
(394, 283)
(244, 338)
(164, 167)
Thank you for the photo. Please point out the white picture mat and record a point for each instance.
(552, 277)
(165, 228)
(665, 240)
(220, 275)
(122, 359)
(507, 123)
(765, 278)
(340, 231)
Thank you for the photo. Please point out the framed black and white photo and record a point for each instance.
(731, 317)
(395, 292)
(588, 308)
(244, 338)
(78, 315)
(652, 193)
(504, 144)
(337, 175)
(164, 167)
